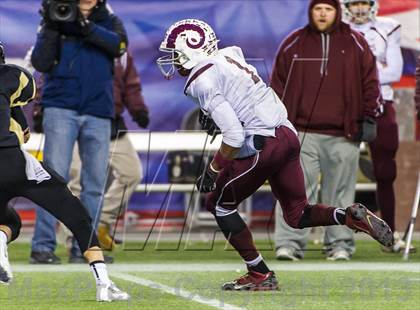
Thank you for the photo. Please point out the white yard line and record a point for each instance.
(198, 267)
(215, 303)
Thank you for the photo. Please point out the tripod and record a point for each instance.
(410, 228)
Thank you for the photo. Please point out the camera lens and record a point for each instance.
(63, 11)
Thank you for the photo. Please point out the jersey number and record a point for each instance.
(255, 78)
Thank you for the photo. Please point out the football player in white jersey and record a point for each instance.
(383, 35)
(259, 144)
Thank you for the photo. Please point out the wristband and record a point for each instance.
(213, 169)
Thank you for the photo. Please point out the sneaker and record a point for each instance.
(76, 259)
(398, 246)
(106, 241)
(6, 275)
(359, 218)
(287, 253)
(338, 255)
(44, 258)
(318, 233)
(110, 292)
(253, 281)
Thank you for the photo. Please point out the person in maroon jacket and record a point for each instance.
(326, 76)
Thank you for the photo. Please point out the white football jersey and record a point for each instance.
(237, 99)
(384, 38)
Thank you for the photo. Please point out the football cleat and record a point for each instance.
(6, 275)
(110, 292)
(359, 218)
(253, 281)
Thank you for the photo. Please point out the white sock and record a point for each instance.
(100, 273)
(3, 236)
(254, 262)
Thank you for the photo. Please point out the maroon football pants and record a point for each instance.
(278, 163)
(383, 150)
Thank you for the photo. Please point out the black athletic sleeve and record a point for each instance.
(18, 116)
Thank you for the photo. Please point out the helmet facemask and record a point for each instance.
(360, 14)
(168, 64)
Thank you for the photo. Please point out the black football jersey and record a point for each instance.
(17, 88)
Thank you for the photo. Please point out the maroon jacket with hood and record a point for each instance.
(340, 65)
(127, 86)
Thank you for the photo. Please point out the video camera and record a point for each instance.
(63, 10)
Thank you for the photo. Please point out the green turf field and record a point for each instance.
(162, 277)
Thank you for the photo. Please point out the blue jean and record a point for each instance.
(62, 128)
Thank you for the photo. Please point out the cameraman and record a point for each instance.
(76, 54)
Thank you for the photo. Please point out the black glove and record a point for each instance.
(118, 128)
(37, 117)
(85, 25)
(45, 14)
(141, 117)
(367, 130)
(208, 124)
(206, 182)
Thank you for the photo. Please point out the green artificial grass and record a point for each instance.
(32, 291)
(312, 289)
(219, 252)
(307, 290)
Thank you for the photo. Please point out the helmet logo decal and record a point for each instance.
(191, 42)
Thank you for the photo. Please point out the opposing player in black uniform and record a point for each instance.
(22, 175)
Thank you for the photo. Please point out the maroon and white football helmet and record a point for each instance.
(188, 42)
